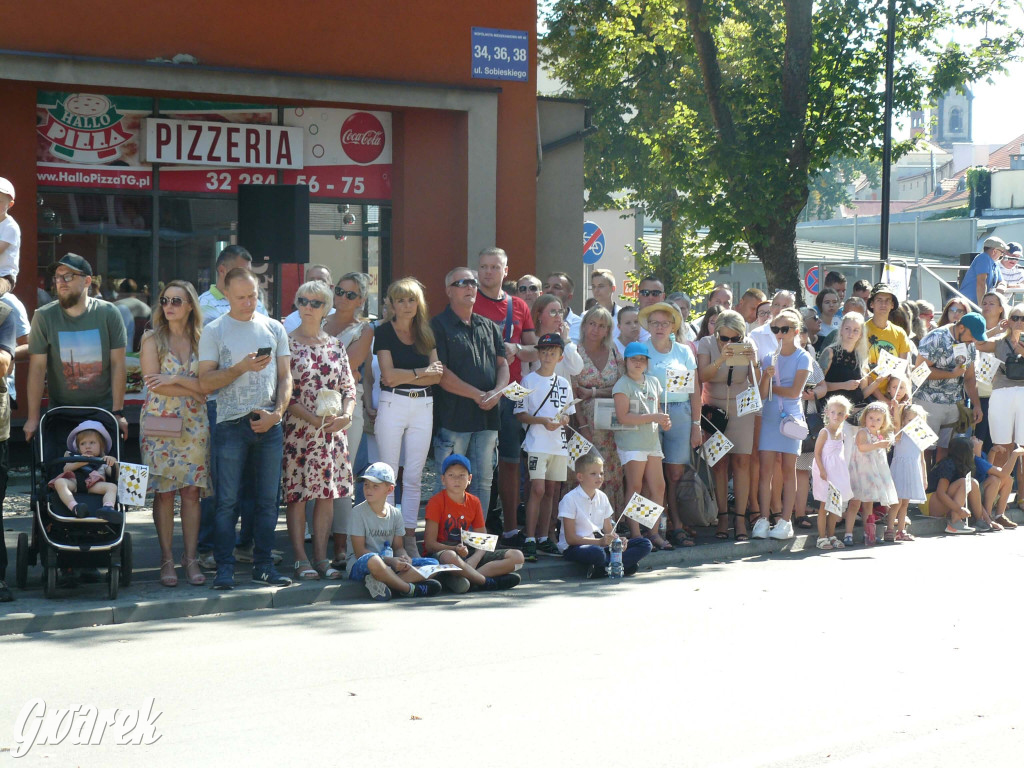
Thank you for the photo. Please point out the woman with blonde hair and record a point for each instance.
(845, 363)
(409, 369)
(173, 425)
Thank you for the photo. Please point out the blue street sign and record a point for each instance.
(593, 243)
(500, 54)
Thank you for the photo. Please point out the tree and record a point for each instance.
(716, 114)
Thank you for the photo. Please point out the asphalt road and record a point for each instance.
(902, 655)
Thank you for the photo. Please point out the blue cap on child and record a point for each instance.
(379, 472)
(456, 458)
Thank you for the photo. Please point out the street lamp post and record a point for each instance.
(890, 53)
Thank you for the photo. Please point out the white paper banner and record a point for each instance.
(985, 367)
(748, 401)
(132, 481)
(834, 502)
(679, 380)
(716, 447)
(578, 446)
(919, 431)
(428, 571)
(485, 541)
(643, 510)
(920, 375)
(888, 364)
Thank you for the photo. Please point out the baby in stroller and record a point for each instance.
(90, 438)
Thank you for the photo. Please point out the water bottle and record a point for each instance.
(387, 551)
(615, 561)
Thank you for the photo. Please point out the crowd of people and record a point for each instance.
(339, 415)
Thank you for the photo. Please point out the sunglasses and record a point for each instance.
(465, 282)
(529, 289)
(779, 329)
(650, 292)
(174, 301)
(1017, 318)
(350, 295)
(729, 339)
(302, 301)
(956, 310)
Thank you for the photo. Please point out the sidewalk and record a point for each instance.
(146, 600)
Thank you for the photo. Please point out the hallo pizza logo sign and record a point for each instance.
(362, 137)
(85, 128)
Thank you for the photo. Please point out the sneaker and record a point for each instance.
(530, 551)
(5, 593)
(548, 547)
(243, 554)
(630, 570)
(983, 526)
(456, 582)
(824, 543)
(207, 561)
(268, 575)
(596, 572)
(782, 530)
(427, 588)
(960, 526)
(836, 543)
(505, 581)
(378, 589)
(848, 540)
(225, 578)
(517, 541)
(761, 529)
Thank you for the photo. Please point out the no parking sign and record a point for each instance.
(811, 281)
(593, 243)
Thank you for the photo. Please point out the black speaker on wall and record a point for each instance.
(273, 222)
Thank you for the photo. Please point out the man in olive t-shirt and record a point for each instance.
(78, 345)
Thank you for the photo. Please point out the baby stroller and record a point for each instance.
(59, 538)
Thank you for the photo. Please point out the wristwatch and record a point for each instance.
(118, 412)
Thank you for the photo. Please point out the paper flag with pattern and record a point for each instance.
(679, 380)
(429, 571)
(515, 391)
(834, 502)
(985, 367)
(643, 510)
(484, 541)
(716, 447)
(748, 401)
(888, 364)
(919, 431)
(919, 375)
(578, 446)
(132, 481)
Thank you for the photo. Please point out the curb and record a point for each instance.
(146, 601)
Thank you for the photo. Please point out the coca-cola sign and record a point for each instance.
(362, 137)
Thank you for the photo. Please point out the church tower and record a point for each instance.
(952, 118)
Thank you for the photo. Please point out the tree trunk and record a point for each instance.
(776, 248)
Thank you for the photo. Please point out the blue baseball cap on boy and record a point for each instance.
(636, 349)
(379, 472)
(974, 323)
(456, 458)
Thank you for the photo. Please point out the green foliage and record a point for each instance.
(717, 114)
(684, 266)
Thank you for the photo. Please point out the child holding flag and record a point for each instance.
(587, 527)
(869, 471)
(908, 473)
(831, 468)
(546, 412)
(454, 510)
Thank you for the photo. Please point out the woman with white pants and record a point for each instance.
(409, 368)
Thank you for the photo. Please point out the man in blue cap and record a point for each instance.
(949, 351)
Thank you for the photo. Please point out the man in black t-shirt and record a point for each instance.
(475, 371)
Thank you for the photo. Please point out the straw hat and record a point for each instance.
(662, 306)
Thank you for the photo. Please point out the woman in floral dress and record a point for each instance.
(316, 460)
(602, 367)
(169, 356)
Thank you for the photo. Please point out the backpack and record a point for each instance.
(696, 494)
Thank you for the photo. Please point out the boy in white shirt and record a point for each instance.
(546, 412)
(10, 239)
(587, 526)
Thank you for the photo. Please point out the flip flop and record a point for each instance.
(802, 522)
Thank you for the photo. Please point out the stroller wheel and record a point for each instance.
(50, 581)
(21, 564)
(114, 581)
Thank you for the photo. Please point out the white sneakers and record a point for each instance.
(761, 528)
(782, 530)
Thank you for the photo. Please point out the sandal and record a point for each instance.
(659, 543)
(168, 579)
(719, 534)
(304, 571)
(904, 536)
(801, 521)
(680, 538)
(889, 535)
(195, 577)
(327, 571)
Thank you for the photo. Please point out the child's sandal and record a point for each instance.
(327, 571)
(304, 571)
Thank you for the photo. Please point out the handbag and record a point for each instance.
(162, 426)
(793, 427)
(1013, 368)
(715, 419)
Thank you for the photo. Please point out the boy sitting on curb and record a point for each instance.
(587, 527)
(376, 554)
(451, 511)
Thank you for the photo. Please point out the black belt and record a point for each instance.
(427, 392)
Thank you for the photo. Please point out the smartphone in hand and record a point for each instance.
(263, 352)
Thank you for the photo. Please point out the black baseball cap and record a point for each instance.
(75, 262)
(550, 340)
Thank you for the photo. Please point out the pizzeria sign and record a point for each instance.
(195, 142)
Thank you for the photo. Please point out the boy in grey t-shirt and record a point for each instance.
(374, 528)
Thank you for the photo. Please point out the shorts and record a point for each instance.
(676, 442)
(939, 414)
(547, 466)
(490, 557)
(360, 569)
(1006, 415)
(510, 432)
(627, 456)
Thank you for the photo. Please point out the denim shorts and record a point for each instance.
(675, 443)
(510, 433)
(360, 569)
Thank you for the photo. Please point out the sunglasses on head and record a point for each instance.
(174, 301)
(729, 339)
(1017, 318)
(777, 329)
(350, 295)
(302, 301)
(464, 282)
(529, 289)
(650, 292)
